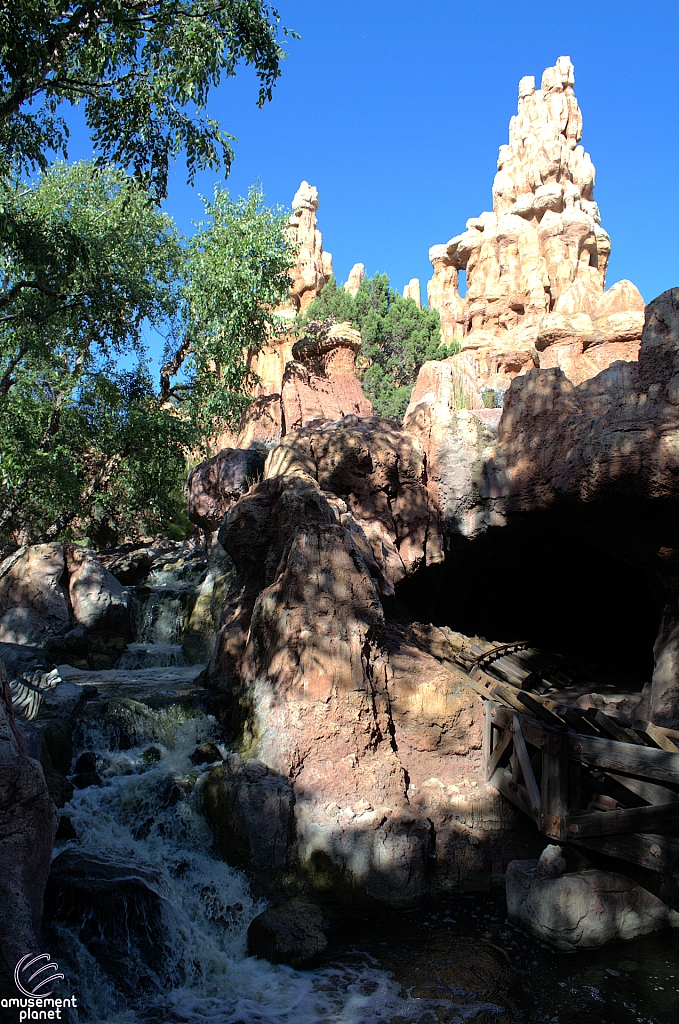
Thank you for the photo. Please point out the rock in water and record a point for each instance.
(291, 933)
(249, 807)
(28, 823)
(580, 910)
(123, 915)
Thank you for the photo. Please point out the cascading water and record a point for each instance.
(146, 817)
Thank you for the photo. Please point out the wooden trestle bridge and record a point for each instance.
(583, 776)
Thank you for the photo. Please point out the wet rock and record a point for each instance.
(206, 753)
(249, 808)
(65, 831)
(290, 933)
(83, 780)
(87, 762)
(28, 823)
(152, 755)
(580, 910)
(123, 915)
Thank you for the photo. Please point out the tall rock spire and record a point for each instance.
(536, 265)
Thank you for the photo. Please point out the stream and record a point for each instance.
(455, 959)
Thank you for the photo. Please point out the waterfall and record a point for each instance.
(146, 817)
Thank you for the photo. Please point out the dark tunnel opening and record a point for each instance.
(536, 581)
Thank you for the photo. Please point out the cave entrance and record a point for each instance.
(537, 581)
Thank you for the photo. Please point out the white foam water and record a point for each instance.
(131, 818)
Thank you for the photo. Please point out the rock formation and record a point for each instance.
(580, 909)
(355, 279)
(320, 381)
(536, 265)
(412, 291)
(28, 823)
(311, 271)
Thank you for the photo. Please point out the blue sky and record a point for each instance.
(396, 110)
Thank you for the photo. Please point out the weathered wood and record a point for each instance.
(533, 731)
(605, 754)
(659, 853)
(657, 736)
(646, 790)
(503, 782)
(497, 754)
(486, 749)
(554, 785)
(574, 787)
(617, 732)
(540, 710)
(630, 819)
(526, 768)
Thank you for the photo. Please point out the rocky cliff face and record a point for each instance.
(536, 265)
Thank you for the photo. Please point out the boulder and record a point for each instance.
(33, 601)
(28, 824)
(215, 485)
(124, 916)
(580, 910)
(97, 599)
(290, 933)
(249, 808)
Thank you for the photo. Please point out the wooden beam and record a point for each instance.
(526, 768)
(617, 732)
(497, 753)
(605, 754)
(646, 790)
(502, 781)
(554, 785)
(631, 819)
(487, 736)
(657, 736)
(540, 710)
(659, 853)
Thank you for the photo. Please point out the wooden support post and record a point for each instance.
(526, 768)
(487, 736)
(554, 785)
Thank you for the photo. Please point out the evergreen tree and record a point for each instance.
(397, 338)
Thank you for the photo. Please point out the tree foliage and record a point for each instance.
(86, 258)
(89, 443)
(398, 338)
(143, 69)
(237, 271)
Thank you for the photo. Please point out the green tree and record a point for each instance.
(143, 69)
(89, 258)
(238, 265)
(398, 338)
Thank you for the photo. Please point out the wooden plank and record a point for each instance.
(615, 731)
(574, 787)
(659, 853)
(646, 790)
(630, 819)
(554, 785)
(526, 768)
(497, 753)
(541, 711)
(533, 731)
(605, 754)
(487, 736)
(503, 782)
(657, 736)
